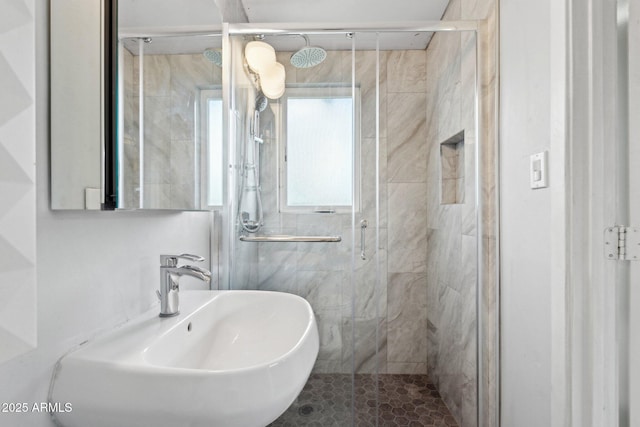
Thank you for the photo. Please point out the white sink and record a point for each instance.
(231, 358)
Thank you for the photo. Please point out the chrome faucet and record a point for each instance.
(170, 275)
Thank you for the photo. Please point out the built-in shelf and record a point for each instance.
(452, 170)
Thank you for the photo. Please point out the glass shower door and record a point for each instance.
(414, 314)
(366, 322)
(302, 147)
(395, 300)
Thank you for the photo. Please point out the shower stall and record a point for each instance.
(367, 186)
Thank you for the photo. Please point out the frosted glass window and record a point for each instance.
(214, 149)
(319, 149)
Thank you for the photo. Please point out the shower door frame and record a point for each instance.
(483, 178)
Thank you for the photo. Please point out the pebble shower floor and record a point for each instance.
(404, 400)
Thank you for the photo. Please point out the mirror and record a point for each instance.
(170, 143)
(137, 119)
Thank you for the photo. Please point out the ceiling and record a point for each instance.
(167, 14)
(154, 16)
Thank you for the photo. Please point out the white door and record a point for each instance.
(605, 193)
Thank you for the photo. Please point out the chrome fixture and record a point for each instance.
(170, 275)
(308, 56)
(261, 104)
(251, 171)
(214, 56)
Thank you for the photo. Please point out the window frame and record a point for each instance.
(314, 92)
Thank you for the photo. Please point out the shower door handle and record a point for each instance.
(363, 228)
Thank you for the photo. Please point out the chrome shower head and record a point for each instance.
(308, 56)
(214, 56)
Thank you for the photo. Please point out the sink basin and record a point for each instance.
(231, 358)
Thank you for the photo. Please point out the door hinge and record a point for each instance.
(622, 243)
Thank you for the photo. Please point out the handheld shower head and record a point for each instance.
(261, 105)
(261, 102)
(308, 56)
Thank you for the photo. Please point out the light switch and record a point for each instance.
(538, 170)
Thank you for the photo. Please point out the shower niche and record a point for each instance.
(452, 170)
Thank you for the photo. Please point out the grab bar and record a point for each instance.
(287, 238)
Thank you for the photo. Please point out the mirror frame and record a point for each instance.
(110, 151)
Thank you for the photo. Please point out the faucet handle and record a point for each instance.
(172, 260)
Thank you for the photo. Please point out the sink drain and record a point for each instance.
(305, 410)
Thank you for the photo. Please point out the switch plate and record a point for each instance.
(538, 170)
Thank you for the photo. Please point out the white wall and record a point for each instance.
(95, 269)
(532, 119)
(17, 179)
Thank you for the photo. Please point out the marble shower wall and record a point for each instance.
(321, 272)
(452, 242)
(171, 91)
(407, 211)
(451, 272)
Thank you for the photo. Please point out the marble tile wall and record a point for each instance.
(450, 281)
(395, 305)
(171, 91)
(452, 243)
(317, 272)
